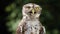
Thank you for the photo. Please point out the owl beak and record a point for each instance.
(33, 11)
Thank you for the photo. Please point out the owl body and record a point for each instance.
(30, 23)
(32, 27)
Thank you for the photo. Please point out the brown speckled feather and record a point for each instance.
(20, 27)
(18, 31)
(42, 30)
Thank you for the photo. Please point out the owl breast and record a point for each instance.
(32, 27)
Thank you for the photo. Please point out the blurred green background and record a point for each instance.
(11, 14)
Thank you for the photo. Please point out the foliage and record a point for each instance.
(47, 17)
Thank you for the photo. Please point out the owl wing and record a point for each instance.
(20, 27)
(42, 30)
(19, 30)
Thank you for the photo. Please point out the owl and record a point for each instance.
(30, 23)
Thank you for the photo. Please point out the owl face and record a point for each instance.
(31, 10)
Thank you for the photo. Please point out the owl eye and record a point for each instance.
(37, 8)
(28, 7)
(31, 12)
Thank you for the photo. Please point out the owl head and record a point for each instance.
(31, 10)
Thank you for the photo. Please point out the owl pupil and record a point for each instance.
(34, 12)
(31, 12)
